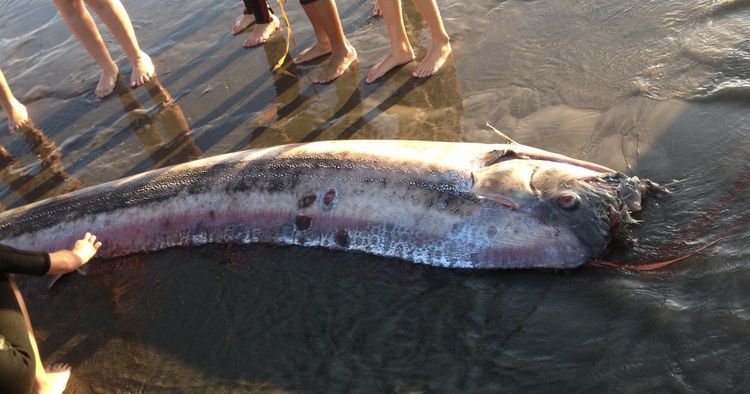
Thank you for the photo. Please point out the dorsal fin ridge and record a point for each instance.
(502, 135)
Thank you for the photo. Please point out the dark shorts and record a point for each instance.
(17, 364)
(260, 9)
(303, 2)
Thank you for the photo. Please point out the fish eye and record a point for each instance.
(568, 201)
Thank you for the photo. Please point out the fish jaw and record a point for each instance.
(521, 238)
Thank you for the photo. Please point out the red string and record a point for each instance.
(650, 266)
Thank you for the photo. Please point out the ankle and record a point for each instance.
(402, 52)
(139, 57)
(343, 51)
(40, 380)
(13, 103)
(442, 40)
(110, 69)
(323, 45)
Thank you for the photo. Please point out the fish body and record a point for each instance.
(463, 205)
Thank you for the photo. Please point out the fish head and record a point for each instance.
(577, 210)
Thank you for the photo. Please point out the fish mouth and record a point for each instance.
(525, 241)
(620, 197)
(568, 255)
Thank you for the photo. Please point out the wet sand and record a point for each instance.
(661, 92)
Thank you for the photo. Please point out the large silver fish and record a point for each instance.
(463, 205)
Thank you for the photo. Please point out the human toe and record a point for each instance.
(57, 367)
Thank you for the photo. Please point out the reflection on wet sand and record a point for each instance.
(404, 107)
(400, 106)
(433, 110)
(347, 108)
(163, 130)
(429, 109)
(295, 116)
(296, 319)
(292, 114)
(23, 185)
(286, 84)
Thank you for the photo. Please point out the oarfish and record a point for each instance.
(463, 205)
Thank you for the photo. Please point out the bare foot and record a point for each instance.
(376, 11)
(143, 70)
(337, 64)
(435, 58)
(312, 53)
(17, 115)
(54, 380)
(387, 64)
(107, 81)
(242, 23)
(261, 32)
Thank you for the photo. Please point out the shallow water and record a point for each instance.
(654, 89)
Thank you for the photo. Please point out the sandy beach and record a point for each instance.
(659, 91)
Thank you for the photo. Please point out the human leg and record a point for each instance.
(245, 20)
(342, 52)
(82, 25)
(56, 378)
(14, 110)
(50, 380)
(113, 15)
(17, 362)
(21, 367)
(440, 47)
(401, 51)
(322, 44)
(265, 24)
